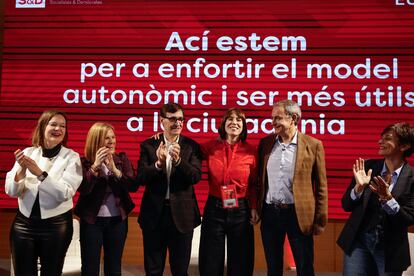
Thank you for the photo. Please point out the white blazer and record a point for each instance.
(56, 191)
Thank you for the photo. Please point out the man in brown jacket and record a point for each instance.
(293, 197)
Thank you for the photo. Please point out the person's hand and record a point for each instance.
(380, 186)
(174, 150)
(109, 162)
(19, 155)
(157, 136)
(161, 154)
(32, 166)
(254, 217)
(21, 172)
(362, 179)
(317, 229)
(100, 157)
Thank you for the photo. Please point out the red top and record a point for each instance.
(232, 164)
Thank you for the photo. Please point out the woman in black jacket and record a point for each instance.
(104, 201)
(381, 199)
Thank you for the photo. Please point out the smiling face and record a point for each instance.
(55, 131)
(283, 124)
(389, 145)
(173, 124)
(110, 141)
(233, 125)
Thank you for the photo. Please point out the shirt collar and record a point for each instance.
(396, 172)
(168, 142)
(293, 142)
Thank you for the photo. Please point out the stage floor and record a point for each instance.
(138, 270)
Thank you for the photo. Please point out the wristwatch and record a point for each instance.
(42, 176)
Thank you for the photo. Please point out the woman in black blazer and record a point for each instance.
(381, 199)
(104, 201)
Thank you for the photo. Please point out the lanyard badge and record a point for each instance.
(229, 196)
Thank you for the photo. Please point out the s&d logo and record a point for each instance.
(30, 3)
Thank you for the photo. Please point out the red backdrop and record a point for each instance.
(44, 49)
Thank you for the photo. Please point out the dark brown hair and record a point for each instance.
(239, 114)
(405, 135)
(171, 108)
(38, 136)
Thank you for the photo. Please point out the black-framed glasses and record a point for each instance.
(175, 119)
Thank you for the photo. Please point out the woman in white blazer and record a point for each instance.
(44, 178)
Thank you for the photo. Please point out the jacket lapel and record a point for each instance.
(301, 149)
(376, 170)
(266, 153)
(57, 164)
(405, 175)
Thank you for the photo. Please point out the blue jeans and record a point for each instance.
(367, 257)
(276, 223)
(109, 232)
(219, 223)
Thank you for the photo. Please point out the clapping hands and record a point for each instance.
(26, 163)
(362, 178)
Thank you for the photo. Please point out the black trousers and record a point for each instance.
(219, 223)
(166, 236)
(109, 233)
(47, 239)
(276, 223)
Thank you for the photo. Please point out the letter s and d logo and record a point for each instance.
(30, 3)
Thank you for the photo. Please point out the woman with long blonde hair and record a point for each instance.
(104, 201)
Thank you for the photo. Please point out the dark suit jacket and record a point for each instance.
(397, 251)
(93, 189)
(184, 207)
(310, 188)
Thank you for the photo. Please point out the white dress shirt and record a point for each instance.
(280, 171)
(168, 164)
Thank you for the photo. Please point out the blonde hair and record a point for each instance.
(96, 139)
(38, 136)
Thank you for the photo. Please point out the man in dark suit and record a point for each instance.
(374, 238)
(293, 196)
(168, 168)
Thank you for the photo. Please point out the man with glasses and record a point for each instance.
(293, 196)
(168, 168)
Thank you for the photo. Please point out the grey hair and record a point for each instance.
(291, 107)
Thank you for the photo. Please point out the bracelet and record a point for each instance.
(95, 170)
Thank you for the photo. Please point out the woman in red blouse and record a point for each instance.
(230, 211)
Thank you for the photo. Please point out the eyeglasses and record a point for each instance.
(175, 119)
(55, 125)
